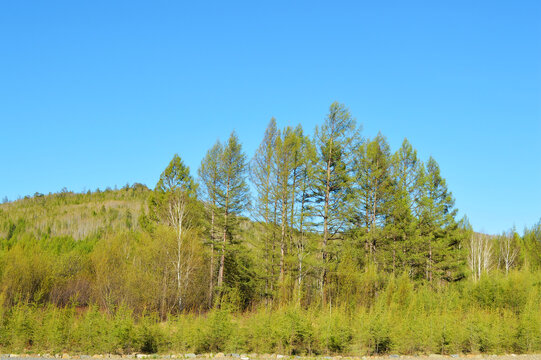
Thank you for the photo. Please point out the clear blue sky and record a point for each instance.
(102, 93)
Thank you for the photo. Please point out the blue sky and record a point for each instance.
(101, 93)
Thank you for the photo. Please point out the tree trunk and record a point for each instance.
(283, 239)
(224, 241)
(326, 222)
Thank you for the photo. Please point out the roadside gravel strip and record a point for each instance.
(270, 357)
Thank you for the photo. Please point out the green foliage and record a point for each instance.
(351, 249)
(404, 318)
(77, 215)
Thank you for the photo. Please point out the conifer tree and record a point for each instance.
(262, 176)
(232, 195)
(209, 175)
(302, 211)
(289, 163)
(334, 142)
(374, 191)
(438, 227)
(286, 147)
(402, 225)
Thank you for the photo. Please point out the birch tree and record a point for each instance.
(508, 251)
(480, 257)
(171, 201)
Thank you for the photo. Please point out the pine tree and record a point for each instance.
(232, 195)
(374, 190)
(402, 225)
(438, 227)
(262, 176)
(209, 175)
(334, 142)
(285, 149)
(289, 161)
(302, 211)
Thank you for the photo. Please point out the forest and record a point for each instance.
(319, 243)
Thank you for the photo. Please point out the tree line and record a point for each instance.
(321, 202)
(324, 206)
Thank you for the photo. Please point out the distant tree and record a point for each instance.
(509, 250)
(139, 187)
(531, 245)
(480, 258)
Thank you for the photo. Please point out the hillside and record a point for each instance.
(77, 215)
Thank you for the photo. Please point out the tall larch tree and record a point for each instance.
(334, 141)
(209, 176)
(263, 179)
(301, 218)
(438, 226)
(373, 196)
(402, 222)
(232, 195)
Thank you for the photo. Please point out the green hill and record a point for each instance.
(77, 215)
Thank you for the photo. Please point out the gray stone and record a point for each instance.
(189, 356)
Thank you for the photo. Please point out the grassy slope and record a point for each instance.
(77, 215)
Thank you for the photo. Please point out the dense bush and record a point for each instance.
(402, 320)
